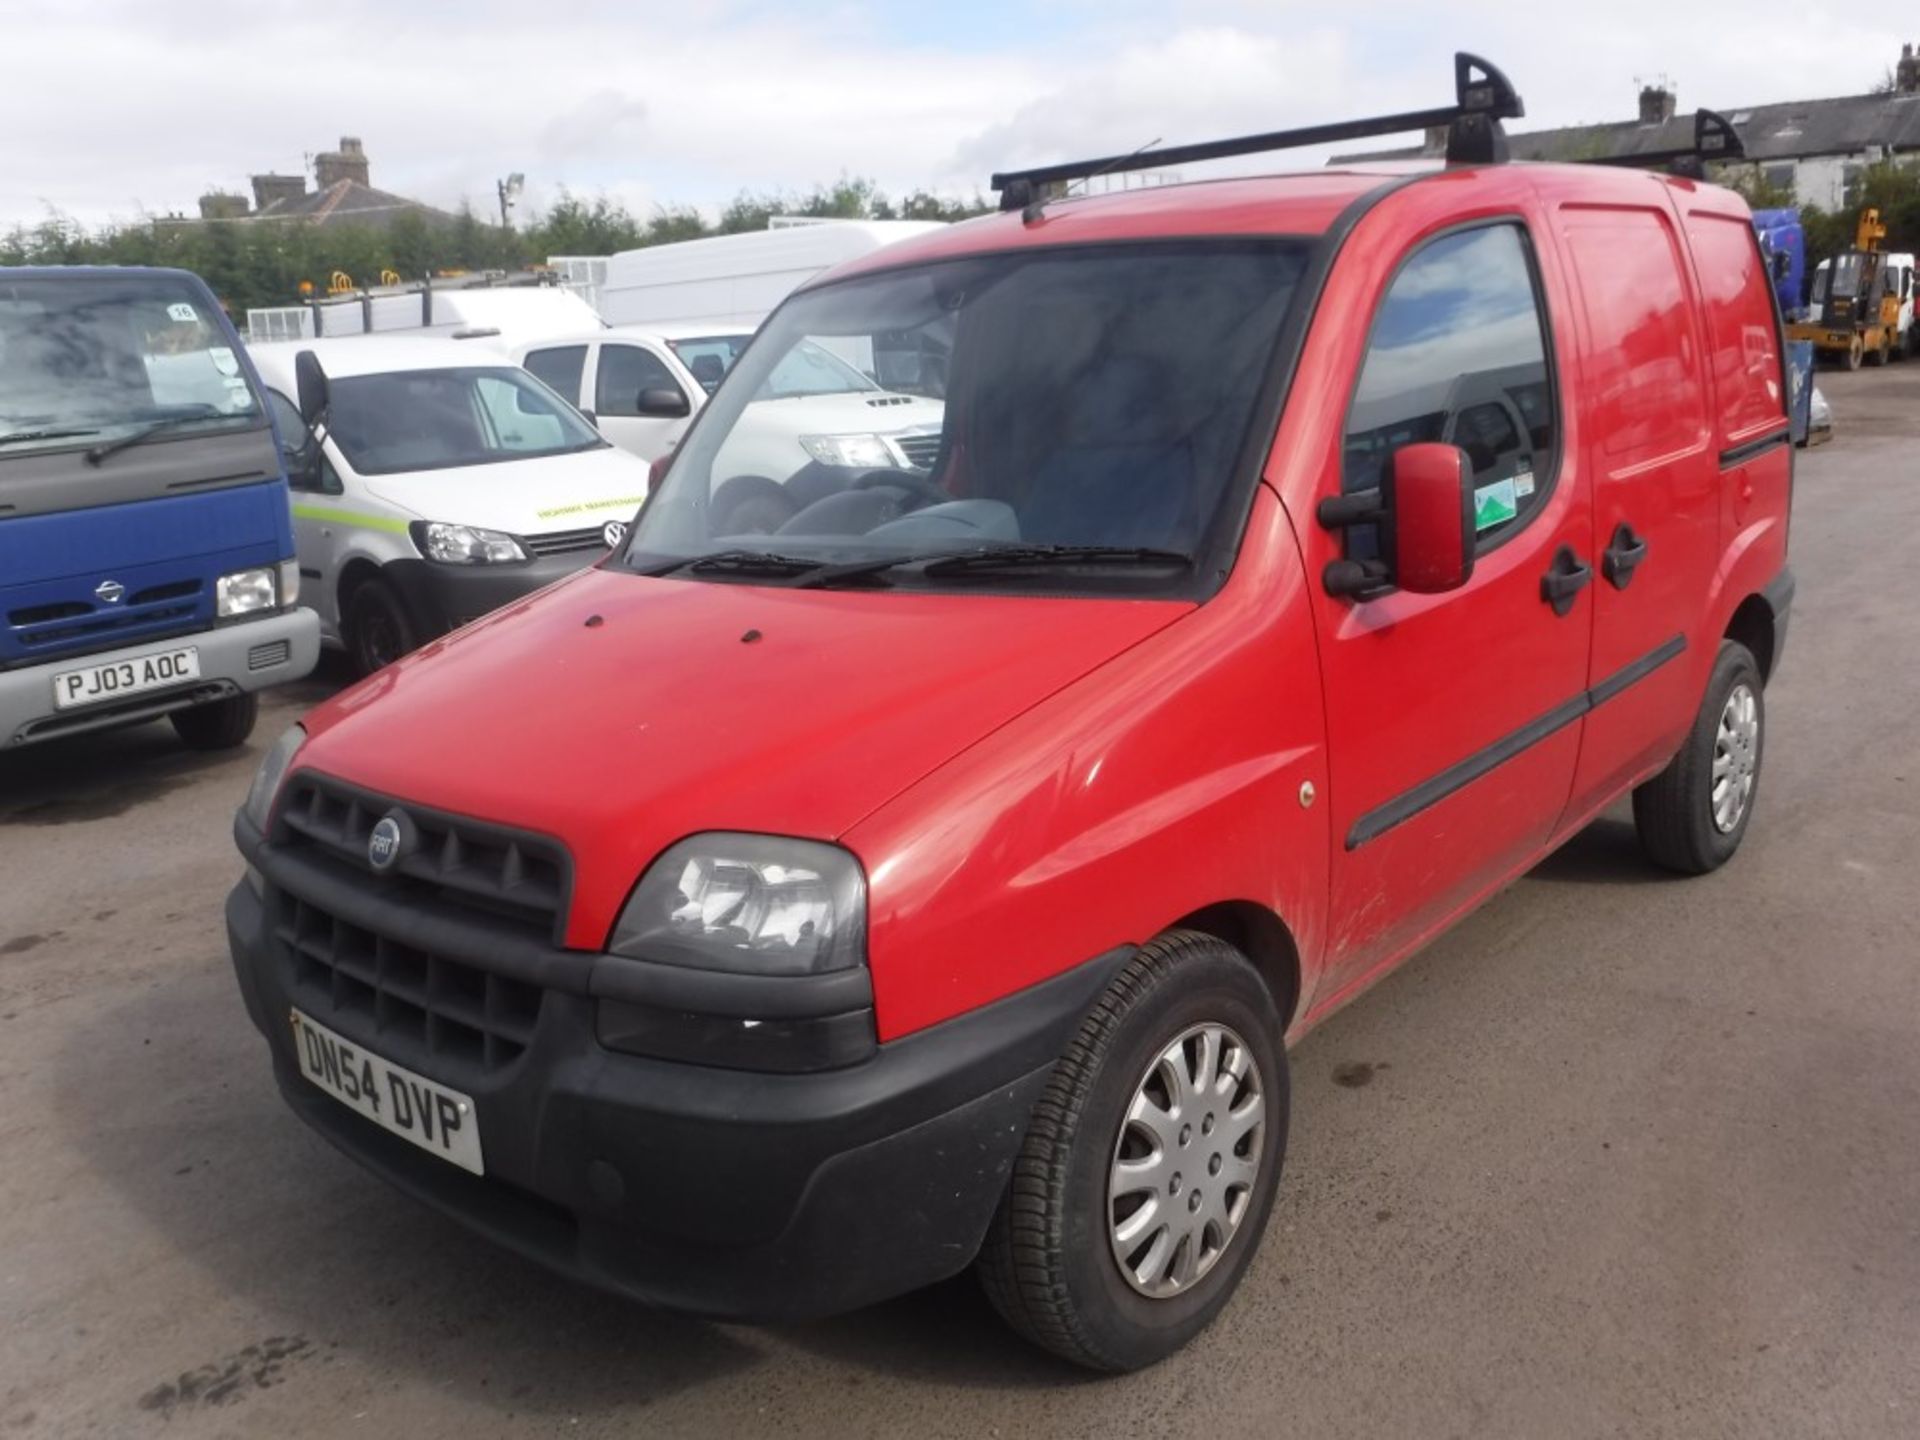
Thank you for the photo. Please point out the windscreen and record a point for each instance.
(1071, 399)
(88, 358)
(410, 420)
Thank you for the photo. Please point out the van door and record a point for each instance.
(1454, 719)
(623, 370)
(1644, 354)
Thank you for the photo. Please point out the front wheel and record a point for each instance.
(378, 630)
(219, 725)
(1692, 815)
(1149, 1169)
(1856, 352)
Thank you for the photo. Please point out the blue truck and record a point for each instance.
(146, 545)
(1784, 242)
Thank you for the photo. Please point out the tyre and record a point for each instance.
(1855, 353)
(378, 630)
(219, 725)
(1148, 1171)
(1692, 815)
(1880, 353)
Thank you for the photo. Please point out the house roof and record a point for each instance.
(349, 202)
(1790, 130)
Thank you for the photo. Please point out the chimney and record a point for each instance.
(349, 162)
(267, 189)
(1656, 104)
(1906, 75)
(219, 205)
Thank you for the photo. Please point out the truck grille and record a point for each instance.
(404, 1001)
(467, 863)
(566, 542)
(922, 451)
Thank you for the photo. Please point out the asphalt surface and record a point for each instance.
(1622, 1155)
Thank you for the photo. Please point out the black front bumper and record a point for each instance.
(721, 1192)
(440, 598)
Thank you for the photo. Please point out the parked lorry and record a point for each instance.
(1858, 299)
(767, 924)
(146, 551)
(1783, 240)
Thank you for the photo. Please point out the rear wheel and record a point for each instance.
(1882, 352)
(1149, 1169)
(1856, 352)
(1692, 815)
(221, 725)
(378, 630)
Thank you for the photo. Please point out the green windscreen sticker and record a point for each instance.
(1494, 504)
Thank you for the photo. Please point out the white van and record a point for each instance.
(500, 317)
(432, 483)
(737, 279)
(819, 420)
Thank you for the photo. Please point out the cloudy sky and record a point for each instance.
(114, 108)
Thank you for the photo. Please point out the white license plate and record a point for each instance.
(125, 677)
(440, 1121)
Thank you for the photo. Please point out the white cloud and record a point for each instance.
(112, 106)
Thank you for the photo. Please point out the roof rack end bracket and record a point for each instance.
(1481, 87)
(1476, 138)
(1714, 137)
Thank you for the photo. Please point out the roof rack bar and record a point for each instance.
(1483, 97)
(1714, 138)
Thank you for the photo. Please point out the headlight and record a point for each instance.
(751, 904)
(245, 592)
(866, 452)
(266, 780)
(465, 544)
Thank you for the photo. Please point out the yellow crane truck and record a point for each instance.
(1856, 313)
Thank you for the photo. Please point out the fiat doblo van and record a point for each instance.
(761, 924)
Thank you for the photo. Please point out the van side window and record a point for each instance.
(1458, 354)
(1743, 345)
(559, 369)
(626, 370)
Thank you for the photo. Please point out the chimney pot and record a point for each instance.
(1656, 104)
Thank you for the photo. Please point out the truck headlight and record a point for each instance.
(465, 544)
(246, 592)
(750, 904)
(266, 780)
(864, 452)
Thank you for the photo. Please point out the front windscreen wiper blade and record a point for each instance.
(21, 436)
(1033, 557)
(984, 559)
(737, 562)
(152, 427)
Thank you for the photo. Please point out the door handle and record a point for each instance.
(1622, 556)
(1566, 577)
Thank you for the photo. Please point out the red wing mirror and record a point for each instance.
(1429, 503)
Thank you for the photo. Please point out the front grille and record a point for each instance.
(922, 451)
(265, 657)
(510, 876)
(177, 590)
(403, 1000)
(566, 542)
(103, 625)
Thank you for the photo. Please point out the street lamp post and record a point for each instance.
(509, 190)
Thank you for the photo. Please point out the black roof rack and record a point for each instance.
(1714, 138)
(1483, 98)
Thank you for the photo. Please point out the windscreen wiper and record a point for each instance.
(737, 562)
(152, 427)
(987, 559)
(1032, 557)
(19, 436)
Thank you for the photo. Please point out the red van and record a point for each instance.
(930, 862)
